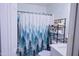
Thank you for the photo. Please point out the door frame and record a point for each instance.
(72, 48)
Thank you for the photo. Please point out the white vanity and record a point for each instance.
(58, 49)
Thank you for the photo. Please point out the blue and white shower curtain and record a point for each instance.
(32, 33)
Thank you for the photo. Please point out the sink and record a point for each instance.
(58, 49)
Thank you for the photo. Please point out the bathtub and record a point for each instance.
(58, 49)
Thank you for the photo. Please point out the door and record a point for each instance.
(8, 18)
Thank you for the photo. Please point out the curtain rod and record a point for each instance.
(34, 13)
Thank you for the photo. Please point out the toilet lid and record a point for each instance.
(44, 53)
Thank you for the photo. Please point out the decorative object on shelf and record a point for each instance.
(50, 33)
(60, 26)
(56, 32)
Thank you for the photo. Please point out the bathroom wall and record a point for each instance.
(31, 7)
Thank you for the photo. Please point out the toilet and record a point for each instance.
(44, 53)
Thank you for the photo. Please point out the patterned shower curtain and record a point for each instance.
(32, 33)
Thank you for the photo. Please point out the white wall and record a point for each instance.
(31, 7)
(60, 10)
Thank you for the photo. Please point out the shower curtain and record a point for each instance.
(32, 33)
